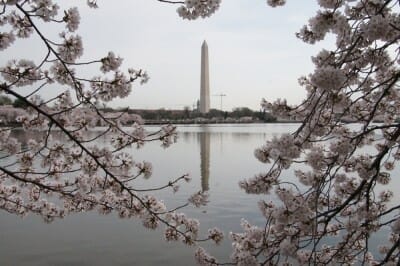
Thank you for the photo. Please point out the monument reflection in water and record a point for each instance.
(205, 160)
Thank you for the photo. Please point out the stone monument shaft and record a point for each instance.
(204, 81)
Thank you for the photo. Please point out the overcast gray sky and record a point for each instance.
(253, 51)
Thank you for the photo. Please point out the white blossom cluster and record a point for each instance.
(61, 74)
(71, 48)
(260, 184)
(179, 221)
(328, 78)
(331, 4)
(72, 18)
(21, 73)
(170, 135)
(44, 9)
(199, 199)
(216, 235)
(193, 9)
(6, 39)
(20, 25)
(203, 258)
(283, 149)
(110, 63)
(323, 23)
(107, 89)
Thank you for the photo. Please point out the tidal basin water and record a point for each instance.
(217, 158)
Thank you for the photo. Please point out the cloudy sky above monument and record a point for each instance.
(253, 51)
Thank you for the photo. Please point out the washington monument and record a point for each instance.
(205, 81)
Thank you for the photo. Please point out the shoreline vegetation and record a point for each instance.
(9, 114)
(241, 115)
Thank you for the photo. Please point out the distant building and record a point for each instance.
(204, 81)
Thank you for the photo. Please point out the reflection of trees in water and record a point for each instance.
(23, 136)
(205, 160)
(187, 136)
(241, 136)
(41, 135)
(204, 139)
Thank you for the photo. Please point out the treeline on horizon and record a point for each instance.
(173, 115)
(187, 114)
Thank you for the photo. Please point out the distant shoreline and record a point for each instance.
(217, 122)
(166, 122)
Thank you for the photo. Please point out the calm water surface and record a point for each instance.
(216, 156)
